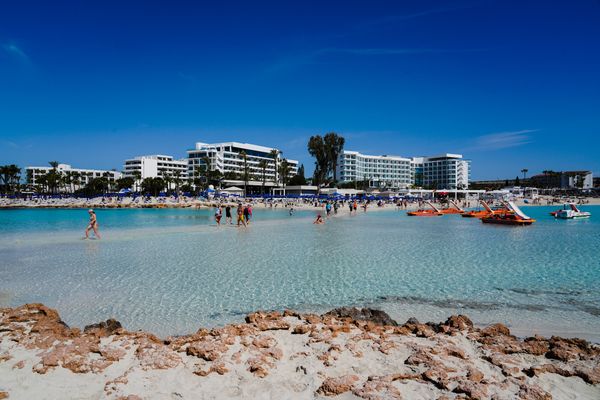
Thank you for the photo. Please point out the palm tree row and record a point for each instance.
(10, 176)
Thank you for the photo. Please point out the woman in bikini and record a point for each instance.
(93, 225)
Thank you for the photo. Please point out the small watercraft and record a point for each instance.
(455, 210)
(570, 211)
(486, 212)
(433, 212)
(515, 217)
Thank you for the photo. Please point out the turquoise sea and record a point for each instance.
(171, 271)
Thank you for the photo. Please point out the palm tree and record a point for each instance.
(275, 156)
(177, 180)
(263, 164)
(137, 176)
(53, 176)
(284, 171)
(246, 173)
(524, 171)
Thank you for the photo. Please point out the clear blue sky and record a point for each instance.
(510, 84)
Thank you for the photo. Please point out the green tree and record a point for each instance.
(524, 171)
(10, 176)
(153, 186)
(137, 176)
(517, 181)
(318, 150)
(53, 176)
(334, 145)
(263, 164)
(284, 171)
(275, 156)
(124, 183)
(246, 171)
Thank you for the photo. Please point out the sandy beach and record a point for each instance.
(347, 354)
(192, 202)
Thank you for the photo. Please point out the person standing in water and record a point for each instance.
(240, 215)
(218, 215)
(93, 225)
(228, 218)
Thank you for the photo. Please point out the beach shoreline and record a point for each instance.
(348, 353)
(189, 202)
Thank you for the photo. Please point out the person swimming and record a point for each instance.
(93, 225)
(319, 220)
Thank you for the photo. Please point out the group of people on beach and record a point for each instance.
(244, 214)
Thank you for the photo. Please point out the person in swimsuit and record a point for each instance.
(240, 215)
(93, 225)
(319, 220)
(218, 215)
(228, 218)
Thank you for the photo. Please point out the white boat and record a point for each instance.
(570, 211)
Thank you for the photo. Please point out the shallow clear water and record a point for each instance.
(170, 271)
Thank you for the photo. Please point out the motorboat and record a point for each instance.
(570, 211)
(433, 212)
(515, 217)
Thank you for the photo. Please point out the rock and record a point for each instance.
(302, 329)
(412, 321)
(209, 351)
(337, 386)
(105, 328)
(495, 330)
(377, 317)
(475, 375)
(476, 391)
(264, 341)
(533, 392)
(460, 322)
(4, 395)
(273, 325)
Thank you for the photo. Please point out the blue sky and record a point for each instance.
(510, 84)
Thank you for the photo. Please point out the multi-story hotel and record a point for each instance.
(227, 158)
(445, 171)
(80, 176)
(155, 166)
(380, 171)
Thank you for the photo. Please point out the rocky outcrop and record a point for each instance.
(377, 317)
(348, 351)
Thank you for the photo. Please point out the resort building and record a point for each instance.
(75, 177)
(380, 171)
(445, 171)
(228, 159)
(155, 166)
(576, 180)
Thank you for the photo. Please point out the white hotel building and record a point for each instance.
(380, 171)
(155, 166)
(226, 158)
(444, 171)
(84, 176)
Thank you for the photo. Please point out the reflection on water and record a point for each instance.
(171, 271)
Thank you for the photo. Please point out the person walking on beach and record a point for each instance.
(228, 218)
(247, 214)
(218, 215)
(240, 215)
(350, 207)
(93, 225)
